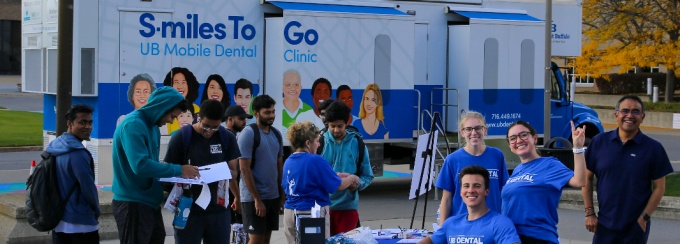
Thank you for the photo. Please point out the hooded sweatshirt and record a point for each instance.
(74, 164)
(136, 148)
(343, 157)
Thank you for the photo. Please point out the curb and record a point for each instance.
(21, 149)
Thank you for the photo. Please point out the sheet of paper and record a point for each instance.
(182, 180)
(423, 164)
(204, 199)
(214, 172)
(209, 174)
(409, 240)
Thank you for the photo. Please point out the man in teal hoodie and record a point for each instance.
(137, 193)
(342, 150)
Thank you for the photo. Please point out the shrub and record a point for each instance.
(632, 83)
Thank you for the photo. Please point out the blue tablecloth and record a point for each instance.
(389, 241)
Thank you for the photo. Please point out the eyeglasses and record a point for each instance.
(209, 129)
(634, 112)
(478, 129)
(522, 135)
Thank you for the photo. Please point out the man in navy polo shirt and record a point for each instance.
(627, 164)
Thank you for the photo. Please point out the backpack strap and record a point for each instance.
(256, 143)
(278, 135)
(361, 148)
(256, 140)
(322, 141)
(186, 141)
(223, 136)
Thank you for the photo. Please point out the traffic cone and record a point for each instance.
(32, 167)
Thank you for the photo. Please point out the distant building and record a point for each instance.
(10, 37)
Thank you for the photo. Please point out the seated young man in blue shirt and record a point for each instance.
(480, 224)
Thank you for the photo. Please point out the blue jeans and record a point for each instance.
(209, 227)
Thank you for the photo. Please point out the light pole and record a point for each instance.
(64, 63)
(548, 70)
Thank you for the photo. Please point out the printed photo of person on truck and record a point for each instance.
(344, 95)
(294, 108)
(371, 122)
(186, 84)
(141, 87)
(321, 91)
(216, 89)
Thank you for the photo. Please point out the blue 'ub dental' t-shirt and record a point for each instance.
(308, 178)
(531, 195)
(492, 159)
(491, 228)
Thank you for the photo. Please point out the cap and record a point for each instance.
(235, 110)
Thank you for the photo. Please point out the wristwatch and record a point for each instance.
(645, 216)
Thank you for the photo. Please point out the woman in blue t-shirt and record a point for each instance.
(531, 195)
(308, 178)
(473, 128)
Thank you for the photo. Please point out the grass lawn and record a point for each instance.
(673, 185)
(19, 128)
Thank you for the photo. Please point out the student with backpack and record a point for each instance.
(342, 148)
(261, 164)
(205, 143)
(75, 180)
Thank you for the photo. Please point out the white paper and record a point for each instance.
(209, 174)
(204, 199)
(409, 240)
(426, 185)
(316, 211)
(173, 198)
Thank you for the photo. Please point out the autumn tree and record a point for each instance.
(621, 33)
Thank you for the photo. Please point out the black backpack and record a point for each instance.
(256, 140)
(44, 206)
(361, 146)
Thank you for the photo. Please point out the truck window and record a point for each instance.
(556, 92)
(490, 77)
(526, 71)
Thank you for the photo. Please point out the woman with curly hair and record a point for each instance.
(308, 178)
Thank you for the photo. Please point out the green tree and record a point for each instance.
(627, 33)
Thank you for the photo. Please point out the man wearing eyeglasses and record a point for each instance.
(627, 163)
(209, 143)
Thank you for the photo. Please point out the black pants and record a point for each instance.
(85, 238)
(531, 240)
(632, 233)
(209, 227)
(138, 222)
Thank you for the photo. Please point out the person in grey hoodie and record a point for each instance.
(76, 167)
